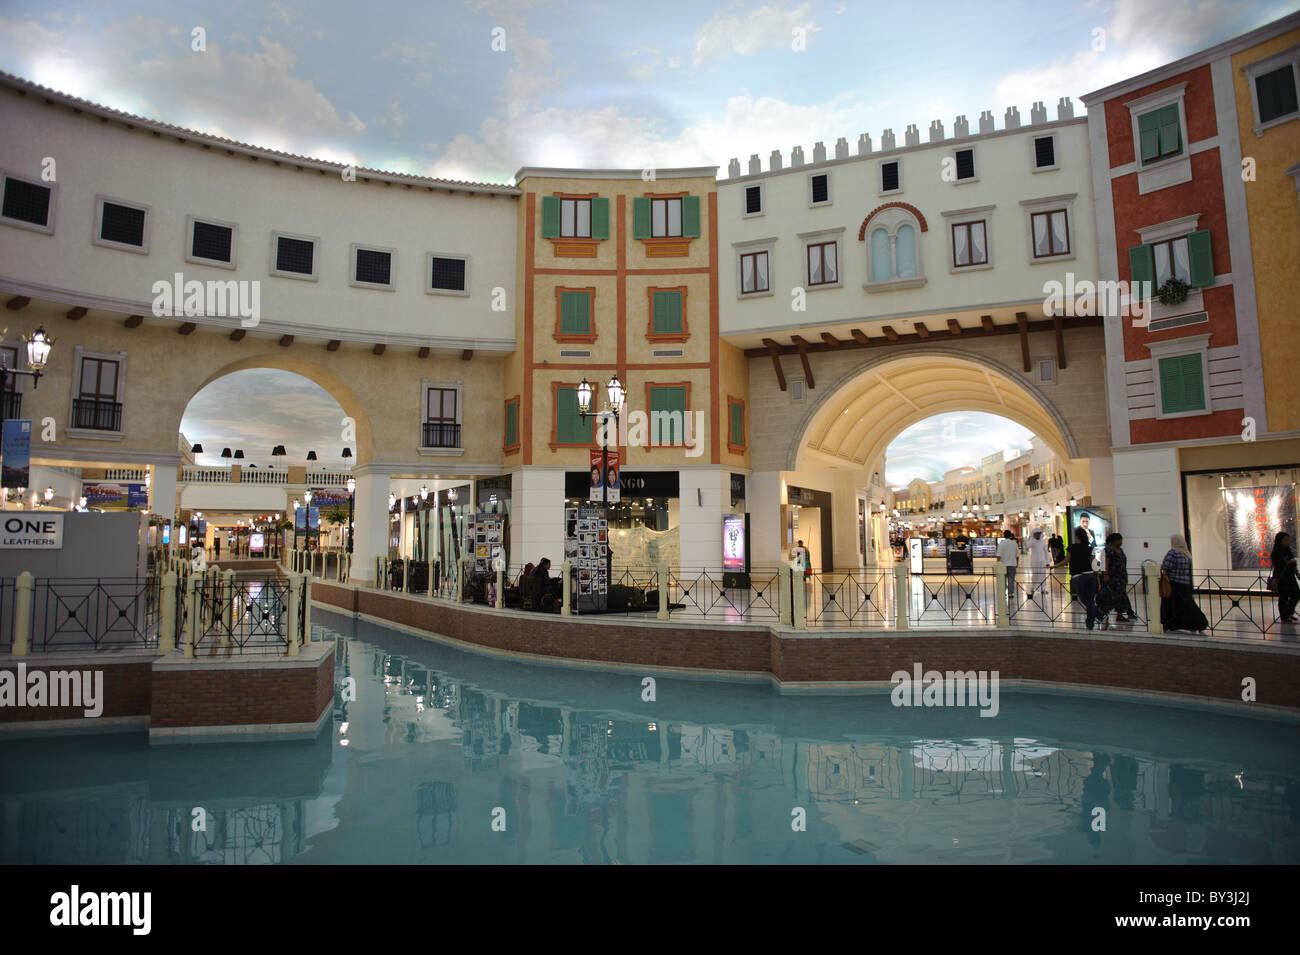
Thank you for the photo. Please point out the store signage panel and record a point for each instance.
(31, 531)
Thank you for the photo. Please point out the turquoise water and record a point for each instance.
(578, 769)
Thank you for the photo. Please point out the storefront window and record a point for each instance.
(1233, 516)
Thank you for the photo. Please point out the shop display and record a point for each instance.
(586, 546)
(1256, 515)
(486, 541)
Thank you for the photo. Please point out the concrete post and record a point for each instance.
(501, 589)
(1001, 612)
(663, 592)
(785, 584)
(306, 609)
(24, 590)
(799, 610)
(902, 596)
(167, 614)
(566, 588)
(195, 611)
(1154, 623)
(291, 624)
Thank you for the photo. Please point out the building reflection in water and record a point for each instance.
(414, 765)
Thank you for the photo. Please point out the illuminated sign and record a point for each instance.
(733, 542)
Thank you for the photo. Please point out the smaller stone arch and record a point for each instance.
(907, 206)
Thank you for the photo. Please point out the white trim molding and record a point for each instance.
(1165, 172)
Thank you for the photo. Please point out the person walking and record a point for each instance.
(1083, 576)
(1283, 581)
(1009, 557)
(216, 547)
(802, 560)
(1040, 559)
(1113, 592)
(1057, 547)
(1178, 611)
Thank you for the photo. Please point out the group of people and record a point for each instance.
(1099, 583)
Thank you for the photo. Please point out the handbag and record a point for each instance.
(1166, 586)
(1271, 584)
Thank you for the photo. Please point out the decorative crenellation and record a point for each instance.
(911, 137)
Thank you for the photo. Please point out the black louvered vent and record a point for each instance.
(374, 267)
(295, 255)
(1044, 151)
(753, 199)
(212, 242)
(27, 202)
(965, 164)
(122, 224)
(820, 188)
(448, 274)
(888, 176)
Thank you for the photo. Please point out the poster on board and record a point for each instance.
(1256, 515)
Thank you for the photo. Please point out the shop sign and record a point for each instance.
(32, 531)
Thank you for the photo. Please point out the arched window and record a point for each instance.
(895, 252)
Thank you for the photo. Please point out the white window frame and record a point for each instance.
(1033, 153)
(829, 195)
(762, 200)
(1175, 170)
(459, 387)
(767, 245)
(124, 247)
(276, 236)
(880, 178)
(48, 228)
(574, 235)
(1051, 204)
(1176, 348)
(820, 237)
(1164, 232)
(962, 217)
(428, 274)
(214, 263)
(352, 267)
(975, 178)
(78, 353)
(1050, 362)
(891, 220)
(1268, 65)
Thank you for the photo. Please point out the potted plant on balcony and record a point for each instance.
(1173, 292)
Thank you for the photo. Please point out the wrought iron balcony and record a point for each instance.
(13, 405)
(440, 434)
(94, 414)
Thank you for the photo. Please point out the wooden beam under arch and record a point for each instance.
(921, 330)
(1022, 320)
(1060, 341)
(801, 344)
(18, 302)
(133, 321)
(954, 326)
(186, 328)
(831, 340)
(423, 352)
(379, 349)
(987, 322)
(889, 332)
(860, 336)
(76, 314)
(333, 344)
(774, 350)
(238, 334)
(286, 341)
(467, 354)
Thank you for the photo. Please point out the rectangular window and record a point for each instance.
(753, 272)
(441, 426)
(735, 425)
(665, 217)
(667, 312)
(1044, 151)
(1171, 261)
(1276, 93)
(575, 218)
(575, 313)
(753, 200)
(889, 177)
(968, 244)
(296, 256)
(1051, 233)
(965, 164)
(98, 379)
(1182, 384)
(821, 189)
(373, 267)
(1161, 134)
(121, 224)
(570, 426)
(667, 414)
(1187, 258)
(823, 266)
(211, 241)
(96, 407)
(512, 425)
(446, 273)
(27, 202)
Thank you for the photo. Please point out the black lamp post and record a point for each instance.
(616, 394)
(38, 353)
(352, 492)
(306, 497)
(295, 525)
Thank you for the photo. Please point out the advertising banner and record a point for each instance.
(16, 448)
(323, 498)
(112, 496)
(34, 531)
(1097, 521)
(1255, 516)
(733, 542)
(256, 543)
(603, 475)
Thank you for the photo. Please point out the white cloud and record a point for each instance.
(732, 32)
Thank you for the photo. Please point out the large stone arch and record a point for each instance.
(337, 388)
(918, 382)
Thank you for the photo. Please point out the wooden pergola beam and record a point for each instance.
(286, 341)
(1060, 341)
(238, 334)
(774, 350)
(186, 328)
(921, 329)
(18, 302)
(423, 352)
(133, 321)
(860, 336)
(1022, 320)
(831, 340)
(889, 332)
(987, 322)
(802, 344)
(954, 326)
(333, 344)
(76, 314)
(379, 349)
(467, 354)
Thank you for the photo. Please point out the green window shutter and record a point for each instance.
(691, 216)
(1182, 387)
(1142, 265)
(512, 424)
(1149, 134)
(667, 400)
(1193, 383)
(600, 218)
(550, 217)
(1171, 142)
(575, 313)
(737, 424)
(570, 427)
(640, 218)
(1199, 258)
(667, 313)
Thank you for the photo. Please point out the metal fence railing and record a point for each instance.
(99, 613)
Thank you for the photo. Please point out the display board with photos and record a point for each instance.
(487, 536)
(586, 545)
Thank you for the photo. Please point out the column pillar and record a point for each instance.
(371, 517)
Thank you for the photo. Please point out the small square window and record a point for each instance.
(889, 178)
(965, 164)
(211, 243)
(448, 274)
(372, 268)
(293, 256)
(753, 200)
(27, 204)
(122, 225)
(821, 189)
(1044, 152)
(1276, 93)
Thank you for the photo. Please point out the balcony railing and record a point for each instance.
(440, 434)
(94, 414)
(13, 405)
